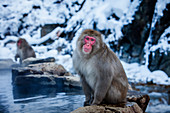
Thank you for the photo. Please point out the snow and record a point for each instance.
(162, 42)
(5, 53)
(140, 73)
(155, 94)
(161, 108)
(98, 11)
(160, 6)
(162, 45)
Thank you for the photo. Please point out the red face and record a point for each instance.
(19, 42)
(89, 41)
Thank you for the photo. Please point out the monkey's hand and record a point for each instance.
(16, 56)
(86, 103)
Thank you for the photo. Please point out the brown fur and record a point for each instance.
(24, 50)
(102, 75)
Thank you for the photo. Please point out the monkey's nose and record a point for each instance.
(88, 44)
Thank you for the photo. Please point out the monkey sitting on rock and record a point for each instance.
(24, 50)
(102, 75)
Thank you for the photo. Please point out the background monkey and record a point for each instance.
(24, 50)
(102, 75)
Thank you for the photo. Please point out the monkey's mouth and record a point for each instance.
(86, 50)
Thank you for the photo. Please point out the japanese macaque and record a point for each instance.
(102, 75)
(24, 50)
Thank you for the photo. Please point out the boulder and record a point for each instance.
(136, 103)
(141, 99)
(39, 72)
(40, 66)
(72, 81)
(128, 108)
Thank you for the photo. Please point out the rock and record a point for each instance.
(130, 107)
(47, 29)
(159, 61)
(46, 72)
(39, 71)
(161, 25)
(72, 81)
(132, 44)
(136, 33)
(37, 60)
(136, 103)
(41, 68)
(140, 98)
(47, 80)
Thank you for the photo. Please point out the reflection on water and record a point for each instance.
(33, 99)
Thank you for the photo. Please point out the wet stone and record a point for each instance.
(41, 72)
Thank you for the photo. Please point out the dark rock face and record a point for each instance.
(161, 60)
(47, 29)
(136, 33)
(160, 26)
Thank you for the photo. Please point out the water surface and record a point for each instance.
(21, 99)
(32, 99)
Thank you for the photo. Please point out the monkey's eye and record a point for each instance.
(87, 38)
(92, 39)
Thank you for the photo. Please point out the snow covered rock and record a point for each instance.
(135, 34)
(159, 57)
